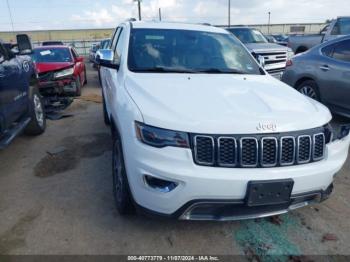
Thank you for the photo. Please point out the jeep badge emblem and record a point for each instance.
(266, 127)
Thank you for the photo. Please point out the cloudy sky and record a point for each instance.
(67, 14)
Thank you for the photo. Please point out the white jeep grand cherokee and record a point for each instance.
(201, 131)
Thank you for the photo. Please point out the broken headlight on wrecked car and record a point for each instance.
(64, 73)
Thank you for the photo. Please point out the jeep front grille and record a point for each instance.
(263, 151)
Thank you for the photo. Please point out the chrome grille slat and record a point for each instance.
(269, 151)
(287, 150)
(319, 144)
(204, 156)
(265, 151)
(304, 148)
(227, 151)
(249, 151)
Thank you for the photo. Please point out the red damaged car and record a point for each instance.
(60, 69)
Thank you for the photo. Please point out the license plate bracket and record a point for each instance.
(269, 192)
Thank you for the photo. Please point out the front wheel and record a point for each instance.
(121, 190)
(78, 86)
(310, 89)
(37, 124)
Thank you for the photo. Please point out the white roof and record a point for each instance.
(179, 26)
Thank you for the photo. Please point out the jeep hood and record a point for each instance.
(266, 47)
(222, 104)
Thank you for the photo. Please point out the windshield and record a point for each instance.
(52, 55)
(166, 50)
(248, 35)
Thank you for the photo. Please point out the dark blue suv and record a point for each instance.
(21, 105)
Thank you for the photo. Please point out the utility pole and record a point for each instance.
(268, 25)
(10, 13)
(160, 14)
(139, 7)
(229, 13)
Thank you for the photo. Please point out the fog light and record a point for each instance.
(160, 185)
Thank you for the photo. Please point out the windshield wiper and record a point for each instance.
(220, 71)
(163, 69)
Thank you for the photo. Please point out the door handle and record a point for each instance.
(324, 68)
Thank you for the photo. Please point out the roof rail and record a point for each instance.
(132, 19)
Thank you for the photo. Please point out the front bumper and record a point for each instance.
(200, 184)
(231, 210)
(62, 87)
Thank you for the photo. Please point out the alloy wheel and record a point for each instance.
(308, 91)
(38, 110)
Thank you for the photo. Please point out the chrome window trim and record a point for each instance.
(241, 151)
(195, 151)
(235, 152)
(281, 150)
(262, 152)
(314, 146)
(310, 151)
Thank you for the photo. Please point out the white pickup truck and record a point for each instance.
(202, 132)
(337, 28)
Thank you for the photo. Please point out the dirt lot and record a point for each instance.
(56, 198)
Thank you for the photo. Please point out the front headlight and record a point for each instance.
(159, 137)
(290, 54)
(64, 73)
(338, 133)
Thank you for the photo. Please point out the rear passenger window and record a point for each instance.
(342, 51)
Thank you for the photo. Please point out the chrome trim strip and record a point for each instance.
(298, 146)
(314, 146)
(187, 214)
(262, 152)
(281, 150)
(195, 151)
(241, 151)
(235, 152)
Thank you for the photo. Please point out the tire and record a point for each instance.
(310, 89)
(105, 114)
(85, 80)
(37, 124)
(121, 189)
(78, 85)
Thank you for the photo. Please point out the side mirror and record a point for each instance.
(105, 58)
(24, 45)
(261, 61)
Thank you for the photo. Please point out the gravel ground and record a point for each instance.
(61, 203)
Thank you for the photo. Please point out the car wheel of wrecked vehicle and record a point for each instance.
(78, 86)
(121, 190)
(85, 79)
(310, 89)
(105, 114)
(37, 125)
